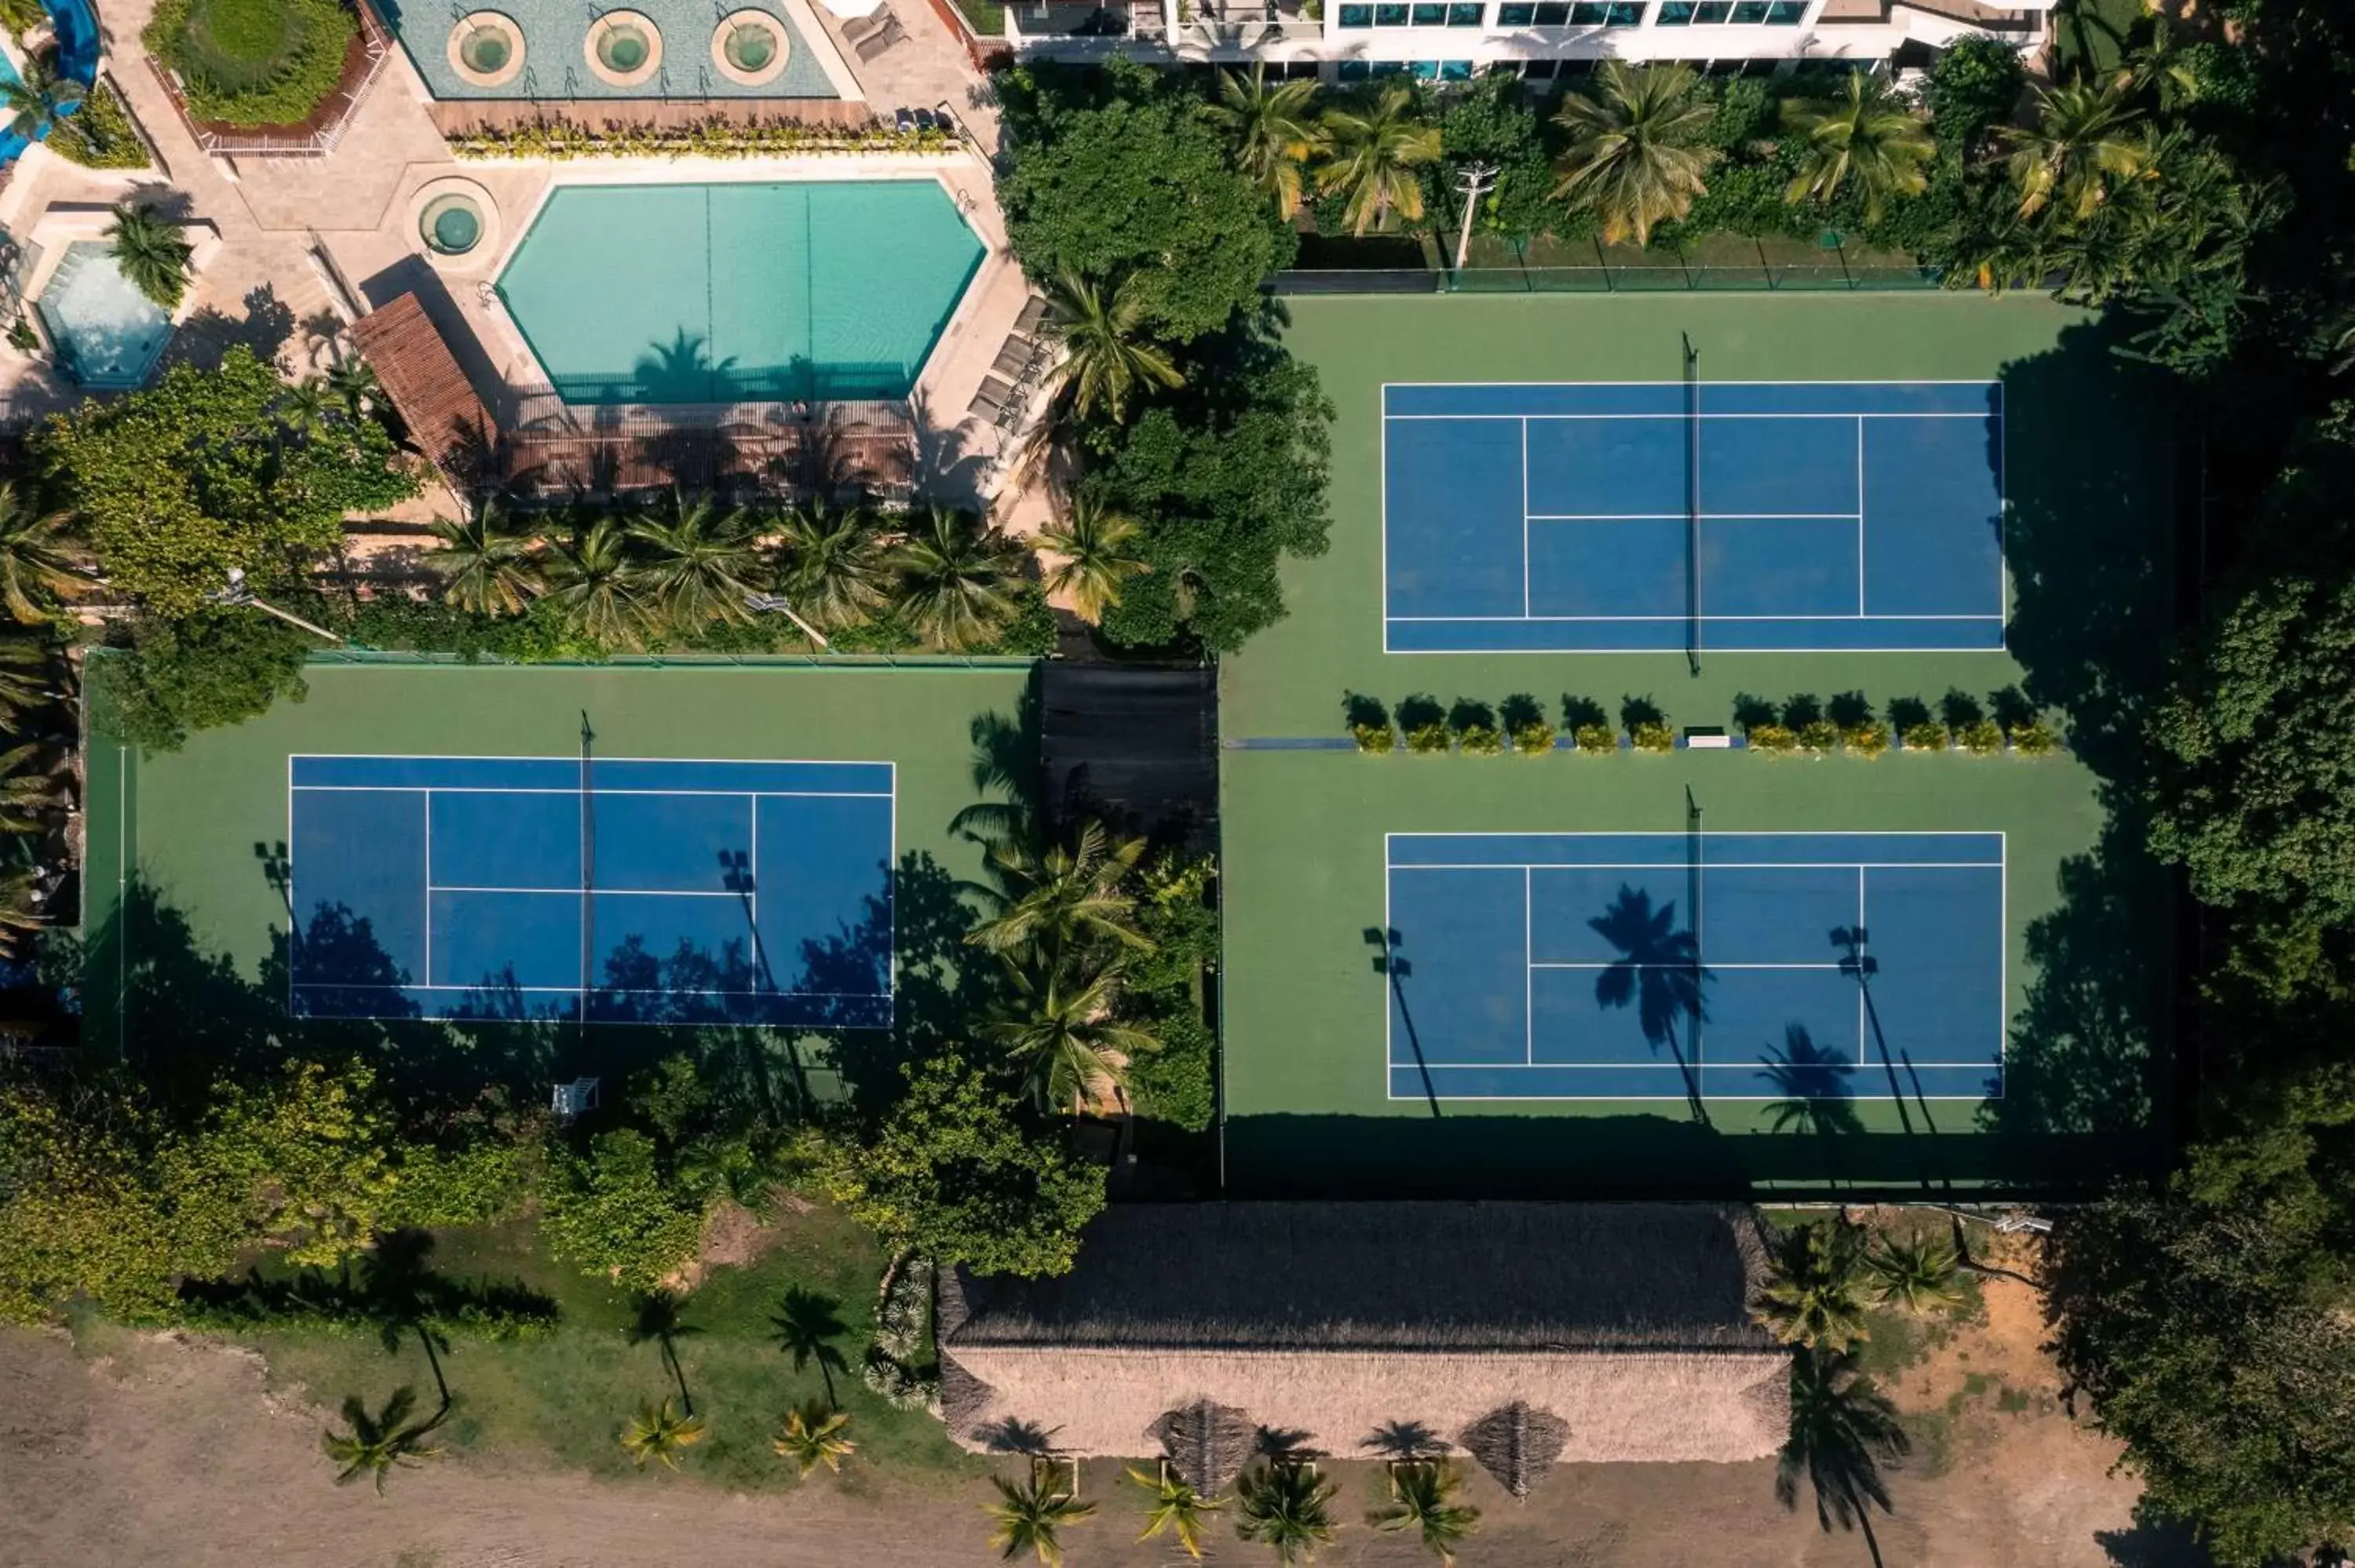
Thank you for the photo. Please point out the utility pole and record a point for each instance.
(1472, 182)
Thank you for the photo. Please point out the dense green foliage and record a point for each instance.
(1117, 174)
(1166, 987)
(958, 1171)
(214, 668)
(179, 484)
(99, 134)
(253, 62)
(612, 1212)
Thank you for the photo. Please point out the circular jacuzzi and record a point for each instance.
(457, 224)
(623, 48)
(750, 47)
(486, 49)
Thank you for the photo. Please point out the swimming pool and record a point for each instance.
(755, 293)
(108, 334)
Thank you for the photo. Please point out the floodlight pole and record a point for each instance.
(1473, 182)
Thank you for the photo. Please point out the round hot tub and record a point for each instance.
(750, 47)
(624, 47)
(456, 223)
(486, 49)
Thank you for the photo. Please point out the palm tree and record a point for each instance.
(24, 906)
(27, 676)
(37, 97)
(1285, 1508)
(1065, 896)
(593, 583)
(957, 575)
(32, 787)
(1872, 134)
(2085, 137)
(1091, 545)
(697, 562)
(1424, 1500)
(1918, 1275)
(1059, 1032)
(1272, 130)
(833, 566)
(658, 1432)
(812, 1437)
(1108, 359)
(1813, 1293)
(1028, 1517)
(1631, 156)
(1843, 1431)
(378, 1443)
(486, 568)
(1374, 157)
(307, 409)
(807, 1326)
(37, 552)
(1658, 969)
(353, 381)
(1178, 1508)
(658, 1322)
(153, 256)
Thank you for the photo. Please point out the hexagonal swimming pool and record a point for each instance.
(804, 291)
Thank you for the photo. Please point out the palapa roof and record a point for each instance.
(423, 377)
(1622, 1328)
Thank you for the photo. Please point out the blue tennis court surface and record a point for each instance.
(1562, 966)
(1652, 516)
(638, 891)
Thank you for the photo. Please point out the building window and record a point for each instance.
(1736, 12)
(1390, 15)
(1606, 13)
(1356, 70)
(1356, 16)
(1516, 14)
(1390, 67)
(1424, 71)
(1538, 70)
(1466, 13)
(1553, 13)
(1455, 70)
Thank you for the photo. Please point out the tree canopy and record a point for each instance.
(214, 667)
(194, 477)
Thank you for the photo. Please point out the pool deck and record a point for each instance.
(263, 289)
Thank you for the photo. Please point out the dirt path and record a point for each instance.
(174, 1451)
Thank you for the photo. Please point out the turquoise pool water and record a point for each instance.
(812, 291)
(108, 334)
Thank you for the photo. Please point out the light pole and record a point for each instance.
(777, 604)
(1473, 180)
(241, 597)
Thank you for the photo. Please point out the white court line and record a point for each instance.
(619, 990)
(1712, 865)
(1712, 967)
(1980, 416)
(1525, 517)
(1860, 516)
(1528, 969)
(601, 792)
(429, 885)
(1605, 619)
(1705, 517)
(575, 892)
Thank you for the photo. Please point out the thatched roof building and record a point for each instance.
(1519, 1334)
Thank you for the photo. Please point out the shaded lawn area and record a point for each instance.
(563, 1398)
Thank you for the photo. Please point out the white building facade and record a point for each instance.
(1448, 41)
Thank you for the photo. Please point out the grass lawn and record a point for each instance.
(243, 41)
(564, 1398)
(2088, 544)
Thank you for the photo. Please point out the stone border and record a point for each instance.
(494, 21)
(605, 26)
(486, 247)
(751, 15)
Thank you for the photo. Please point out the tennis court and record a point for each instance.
(616, 889)
(1729, 515)
(1670, 966)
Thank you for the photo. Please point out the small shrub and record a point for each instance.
(1427, 738)
(1773, 737)
(1928, 735)
(1868, 738)
(1597, 740)
(1819, 735)
(1375, 737)
(1980, 737)
(1653, 735)
(1480, 740)
(2034, 739)
(1534, 738)
(98, 134)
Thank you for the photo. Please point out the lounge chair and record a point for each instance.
(858, 29)
(990, 400)
(1034, 311)
(1013, 359)
(881, 39)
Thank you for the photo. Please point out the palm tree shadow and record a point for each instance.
(658, 1319)
(1843, 1434)
(1861, 966)
(1813, 1082)
(807, 1325)
(1660, 972)
(681, 371)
